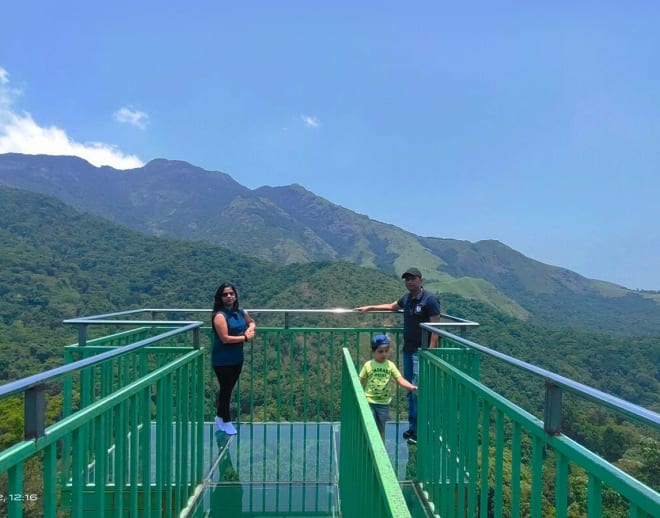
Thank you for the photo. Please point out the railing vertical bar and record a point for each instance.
(264, 418)
(594, 496)
(106, 369)
(485, 455)
(78, 477)
(331, 409)
(145, 451)
(290, 486)
(305, 401)
(438, 456)
(253, 374)
(160, 442)
(87, 391)
(186, 420)
(472, 445)
(134, 460)
(100, 463)
(516, 461)
(67, 409)
(291, 400)
(15, 486)
(50, 482)
(178, 458)
(537, 478)
(454, 451)
(277, 461)
(561, 485)
(264, 455)
(318, 390)
(462, 451)
(280, 376)
(443, 430)
(167, 451)
(499, 463)
(198, 449)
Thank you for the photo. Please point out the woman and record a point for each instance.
(232, 327)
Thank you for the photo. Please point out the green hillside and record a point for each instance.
(291, 225)
(56, 263)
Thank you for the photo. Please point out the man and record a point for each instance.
(418, 306)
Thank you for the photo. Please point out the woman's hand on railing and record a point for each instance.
(250, 332)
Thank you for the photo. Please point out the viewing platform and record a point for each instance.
(125, 428)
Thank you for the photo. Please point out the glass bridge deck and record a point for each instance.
(288, 469)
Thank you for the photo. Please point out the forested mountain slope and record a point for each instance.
(290, 225)
(57, 263)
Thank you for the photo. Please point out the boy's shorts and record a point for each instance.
(381, 415)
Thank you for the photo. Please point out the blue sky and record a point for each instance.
(536, 125)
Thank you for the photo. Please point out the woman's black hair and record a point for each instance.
(217, 301)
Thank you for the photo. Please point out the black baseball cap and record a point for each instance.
(413, 272)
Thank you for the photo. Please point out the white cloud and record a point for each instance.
(7, 94)
(310, 121)
(132, 117)
(19, 133)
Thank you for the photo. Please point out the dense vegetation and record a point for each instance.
(289, 224)
(57, 263)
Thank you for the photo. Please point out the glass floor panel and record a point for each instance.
(287, 469)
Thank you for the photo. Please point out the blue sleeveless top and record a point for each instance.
(229, 354)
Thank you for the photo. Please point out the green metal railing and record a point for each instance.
(481, 455)
(123, 444)
(129, 429)
(367, 483)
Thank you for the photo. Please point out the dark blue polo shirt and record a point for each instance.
(416, 311)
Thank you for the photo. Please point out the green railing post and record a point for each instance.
(196, 338)
(552, 409)
(34, 412)
(82, 334)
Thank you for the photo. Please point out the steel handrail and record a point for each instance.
(41, 378)
(639, 413)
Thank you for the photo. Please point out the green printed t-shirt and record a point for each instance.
(378, 376)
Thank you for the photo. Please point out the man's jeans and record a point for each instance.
(411, 372)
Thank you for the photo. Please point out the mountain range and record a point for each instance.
(289, 224)
(58, 262)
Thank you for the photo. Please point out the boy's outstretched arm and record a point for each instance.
(406, 384)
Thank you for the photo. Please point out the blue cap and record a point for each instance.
(379, 340)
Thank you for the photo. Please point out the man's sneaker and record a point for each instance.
(410, 436)
(230, 429)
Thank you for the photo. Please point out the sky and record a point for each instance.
(535, 125)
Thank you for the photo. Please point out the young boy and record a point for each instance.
(375, 377)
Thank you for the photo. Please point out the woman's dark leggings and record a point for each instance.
(227, 377)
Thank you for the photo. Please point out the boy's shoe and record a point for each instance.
(219, 424)
(229, 429)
